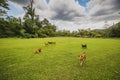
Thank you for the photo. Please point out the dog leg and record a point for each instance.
(81, 63)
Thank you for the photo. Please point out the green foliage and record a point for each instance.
(10, 27)
(28, 26)
(98, 35)
(91, 33)
(114, 31)
(30, 11)
(4, 5)
(82, 33)
(63, 33)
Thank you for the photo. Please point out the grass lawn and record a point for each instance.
(59, 61)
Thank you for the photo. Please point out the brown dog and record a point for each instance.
(37, 51)
(82, 58)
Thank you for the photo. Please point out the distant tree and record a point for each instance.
(64, 33)
(114, 31)
(75, 34)
(82, 33)
(98, 35)
(91, 33)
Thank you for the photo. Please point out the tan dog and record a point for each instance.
(82, 58)
(37, 51)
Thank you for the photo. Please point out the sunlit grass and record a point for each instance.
(59, 61)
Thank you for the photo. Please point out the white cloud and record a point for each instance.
(73, 26)
(66, 9)
(104, 9)
(41, 4)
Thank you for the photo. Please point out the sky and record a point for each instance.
(72, 14)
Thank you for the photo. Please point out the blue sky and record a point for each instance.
(83, 2)
(14, 11)
(47, 1)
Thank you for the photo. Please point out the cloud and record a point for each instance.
(66, 9)
(104, 9)
(41, 4)
(70, 15)
(70, 9)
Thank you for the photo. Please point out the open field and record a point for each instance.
(59, 61)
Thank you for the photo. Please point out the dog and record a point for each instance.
(84, 46)
(51, 42)
(82, 58)
(37, 51)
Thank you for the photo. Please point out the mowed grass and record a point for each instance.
(59, 61)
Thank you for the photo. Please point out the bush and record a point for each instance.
(98, 35)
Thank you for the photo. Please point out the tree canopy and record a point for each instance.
(4, 5)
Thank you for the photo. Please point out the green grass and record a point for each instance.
(60, 61)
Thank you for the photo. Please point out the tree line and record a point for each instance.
(31, 26)
(111, 32)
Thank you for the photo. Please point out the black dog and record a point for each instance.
(84, 46)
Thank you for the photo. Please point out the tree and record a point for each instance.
(4, 5)
(75, 34)
(45, 22)
(82, 33)
(30, 11)
(34, 27)
(10, 27)
(14, 24)
(91, 33)
(31, 22)
(47, 29)
(114, 31)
